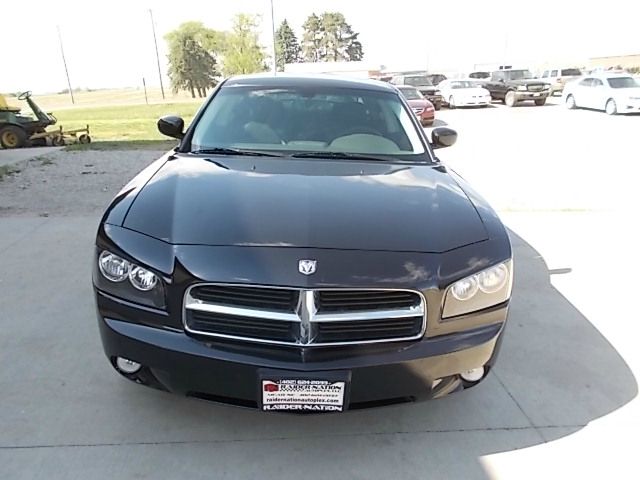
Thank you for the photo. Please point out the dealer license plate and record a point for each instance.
(536, 94)
(296, 393)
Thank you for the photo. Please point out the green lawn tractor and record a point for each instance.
(20, 130)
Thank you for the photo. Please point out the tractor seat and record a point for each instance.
(5, 107)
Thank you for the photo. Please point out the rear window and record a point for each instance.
(622, 82)
(417, 81)
(570, 72)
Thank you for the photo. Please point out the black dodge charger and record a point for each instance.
(302, 249)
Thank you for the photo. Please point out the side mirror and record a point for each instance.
(171, 126)
(442, 137)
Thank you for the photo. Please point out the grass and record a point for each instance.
(163, 145)
(123, 122)
(6, 170)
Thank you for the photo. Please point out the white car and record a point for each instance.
(464, 93)
(611, 92)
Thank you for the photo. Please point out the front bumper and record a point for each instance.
(473, 102)
(436, 100)
(228, 372)
(629, 107)
(522, 95)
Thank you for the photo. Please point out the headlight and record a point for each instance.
(113, 267)
(465, 288)
(143, 286)
(143, 279)
(493, 279)
(522, 87)
(484, 289)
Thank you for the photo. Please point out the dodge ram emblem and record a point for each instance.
(307, 267)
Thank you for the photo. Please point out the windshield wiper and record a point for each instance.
(341, 155)
(234, 151)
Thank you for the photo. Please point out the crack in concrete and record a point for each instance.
(26, 234)
(279, 439)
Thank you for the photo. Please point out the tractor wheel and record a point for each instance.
(84, 138)
(12, 137)
(58, 141)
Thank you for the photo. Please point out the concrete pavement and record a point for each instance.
(65, 414)
(18, 155)
(561, 403)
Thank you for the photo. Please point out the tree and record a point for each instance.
(242, 53)
(287, 46)
(311, 39)
(329, 38)
(192, 64)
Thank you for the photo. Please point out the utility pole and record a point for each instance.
(273, 36)
(66, 70)
(155, 41)
(144, 84)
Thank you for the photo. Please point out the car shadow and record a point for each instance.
(555, 374)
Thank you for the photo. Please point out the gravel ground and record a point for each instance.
(69, 183)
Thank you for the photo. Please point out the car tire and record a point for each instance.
(12, 136)
(437, 106)
(540, 102)
(611, 108)
(452, 102)
(510, 99)
(570, 102)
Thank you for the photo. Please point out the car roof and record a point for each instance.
(307, 80)
(609, 75)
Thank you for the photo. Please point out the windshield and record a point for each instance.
(570, 72)
(411, 93)
(518, 74)
(418, 80)
(303, 119)
(622, 82)
(462, 84)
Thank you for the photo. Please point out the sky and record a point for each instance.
(110, 44)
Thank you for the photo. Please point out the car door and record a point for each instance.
(598, 94)
(582, 92)
(497, 85)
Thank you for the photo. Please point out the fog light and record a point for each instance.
(473, 375)
(127, 366)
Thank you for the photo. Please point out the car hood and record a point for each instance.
(527, 81)
(310, 203)
(427, 89)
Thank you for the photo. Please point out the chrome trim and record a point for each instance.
(369, 315)
(306, 314)
(197, 305)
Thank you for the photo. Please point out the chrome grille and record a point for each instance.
(304, 317)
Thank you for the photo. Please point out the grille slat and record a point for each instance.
(241, 326)
(304, 317)
(336, 301)
(369, 330)
(267, 298)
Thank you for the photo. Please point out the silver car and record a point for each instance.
(612, 92)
